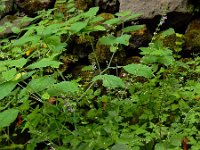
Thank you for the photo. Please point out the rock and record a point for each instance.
(152, 8)
(192, 36)
(30, 7)
(178, 12)
(6, 7)
(10, 21)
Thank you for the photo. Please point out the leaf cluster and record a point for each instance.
(153, 105)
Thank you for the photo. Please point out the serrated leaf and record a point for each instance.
(91, 12)
(15, 30)
(110, 81)
(96, 19)
(120, 147)
(9, 74)
(113, 49)
(7, 117)
(94, 28)
(62, 87)
(51, 29)
(167, 32)
(45, 62)
(87, 68)
(132, 17)
(107, 40)
(99, 28)
(23, 40)
(160, 146)
(78, 26)
(132, 28)
(139, 70)
(123, 13)
(19, 63)
(113, 21)
(37, 85)
(6, 88)
(124, 39)
(54, 43)
(23, 75)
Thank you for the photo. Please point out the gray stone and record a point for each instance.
(151, 8)
(10, 21)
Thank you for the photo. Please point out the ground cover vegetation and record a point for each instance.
(151, 104)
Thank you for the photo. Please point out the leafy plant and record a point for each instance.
(153, 105)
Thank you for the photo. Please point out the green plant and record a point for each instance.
(154, 106)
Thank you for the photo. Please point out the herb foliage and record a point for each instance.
(155, 106)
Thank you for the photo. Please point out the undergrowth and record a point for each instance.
(153, 104)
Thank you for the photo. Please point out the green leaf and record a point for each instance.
(113, 49)
(120, 147)
(63, 87)
(96, 19)
(113, 21)
(87, 68)
(95, 28)
(45, 62)
(139, 70)
(15, 30)
(24, 75)
(160, 146)
(111, 40)
(132, 17)
(6, 88)
(78, 26)
(110, 81)
(132, 28)
(123, 13)
(107, 40)
(54, 43)
(51, 29)
(7, 117)
(124, 39)
(45, 96)
(19, 63)
(23, 40)
(9, 74)
(167, 32)
(91, 12)
(37, 85)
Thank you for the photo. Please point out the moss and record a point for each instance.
(104, 55)
(67, 60)
(174, 41)
(84, 39)
(83, 4)
(192, 35)
(32, 6)
(106, 16)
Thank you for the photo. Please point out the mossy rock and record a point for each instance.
(139, 38)
(192, 36)
(83, 4)
(170, 39)
(104, 55)
(30, 7)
